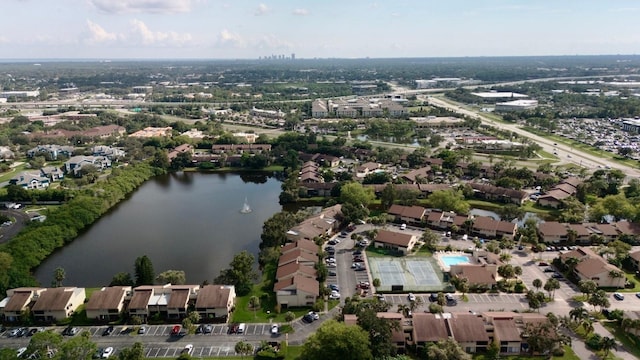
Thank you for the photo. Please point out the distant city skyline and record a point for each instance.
(225, 29)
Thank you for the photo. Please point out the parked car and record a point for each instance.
(351, 228)
(334, 295)
(357, 252)
(207, 329)
(380, 297)
(188, 349)
(451, 301)
(275, 329)
(412, 297)
(175, 330)
(107, 331)
(21, 351)
(233, 328)
(638, 295)
(307, 318)
(332, 242)
(361, 268)
(403, 227)
(556, 276)
(433, 297)
(542, 263)
(107, 352)
(142, 330)
(32, 332)
(329, 248)
(333, 287)
(358, 259)
(548, 270)
(23, 332)
(332, 273)
(618, 296)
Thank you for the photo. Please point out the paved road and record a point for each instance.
(8, 232)
(567, 153)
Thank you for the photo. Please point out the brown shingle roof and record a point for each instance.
(552, 228)
(467, 328)
(477, 274)
(297, 254)
(393, 238)
(213, 296)
(635, 255)
(565, 188)
(428, 327)
(555, 195)
(302, 244)
(106, 298)
(592, 266)
(415, 212)
(178, 298)
(295, 268)
(140, 299)
(580, 230)
(18, 301)
(434, 216)
(626, 227)
(506, 330)
(53, 299)
(301, 283)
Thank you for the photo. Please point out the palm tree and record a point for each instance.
(58, 276)
(571, 263)
(404, 310)
(254, 303)
(537, 283)
(578, 314)
(607, 344)
(413, 305)
(587, 325)
(626, 323)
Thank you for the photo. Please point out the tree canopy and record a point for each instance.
(335, 340)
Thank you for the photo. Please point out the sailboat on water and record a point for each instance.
(245, 207)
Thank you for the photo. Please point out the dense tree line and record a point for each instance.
(31, 246)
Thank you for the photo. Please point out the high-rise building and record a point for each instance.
(293, 56)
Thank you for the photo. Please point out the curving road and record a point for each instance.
(6, 233)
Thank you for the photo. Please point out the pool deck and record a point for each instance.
(438, 256)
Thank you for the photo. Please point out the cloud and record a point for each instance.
(143, 6)
(261, 10)
(301, 12)
(229, 39)
(138, 34)
(272, 42)
(97, 34)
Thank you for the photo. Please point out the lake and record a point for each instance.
(184, 221)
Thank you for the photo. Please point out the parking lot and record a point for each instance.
(198, 351)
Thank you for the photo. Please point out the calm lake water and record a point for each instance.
(183, 221)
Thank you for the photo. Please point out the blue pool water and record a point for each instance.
(449, 260)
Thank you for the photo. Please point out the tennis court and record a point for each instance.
(413, 274)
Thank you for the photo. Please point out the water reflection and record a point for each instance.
(196, 227)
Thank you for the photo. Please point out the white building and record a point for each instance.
(516, 105)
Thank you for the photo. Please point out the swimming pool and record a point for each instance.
(449, 260)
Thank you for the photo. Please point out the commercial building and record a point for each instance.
(516, 105)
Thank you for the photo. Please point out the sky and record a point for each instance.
(242, 29)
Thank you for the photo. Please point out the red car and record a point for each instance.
(175, 330)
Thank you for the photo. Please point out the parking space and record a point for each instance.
(198, 351)
(496, 298)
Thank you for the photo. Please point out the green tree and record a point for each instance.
(243, 348)
(240, 273)
(335, 340)
(551, 286)
(144, 271)
(355, 193)
(537, 283)
(58, 276)
(599, 299)
(388, 196)
(289, 316)
(78, 347)
(135, 352)
(379, 331)
(509, 212)
(175, 277)
(161, 160)
(578, 314)
(430, 239)
(447, 350)
(254, 303)
(43, 342)
(606, 344)
(448, 200)
(122, 279)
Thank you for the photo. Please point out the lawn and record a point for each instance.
(12, 172)
(629, 341)
(631, 277)
(266, 311)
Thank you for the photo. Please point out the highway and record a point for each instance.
(566, 153)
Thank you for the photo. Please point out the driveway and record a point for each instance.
(8, 232)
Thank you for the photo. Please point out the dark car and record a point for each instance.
(175, 330)
(308, 318)
(343, 234)
(556, 276)
(357, 252)
(233, 328)
(332, 242)
(107, 331)
(542, 263)
(332, 273)
(433, 297)
(329, 248)
(358, 259)
(351, 228)
(32, 332)
(361, 268)
(549, 270)
(200, 329)
(22, 332)
(207, 329)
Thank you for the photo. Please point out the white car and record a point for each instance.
(107, 352)
(334, 295)
(21, 351)
(275, 329)
(188, 349)
(412, 297)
